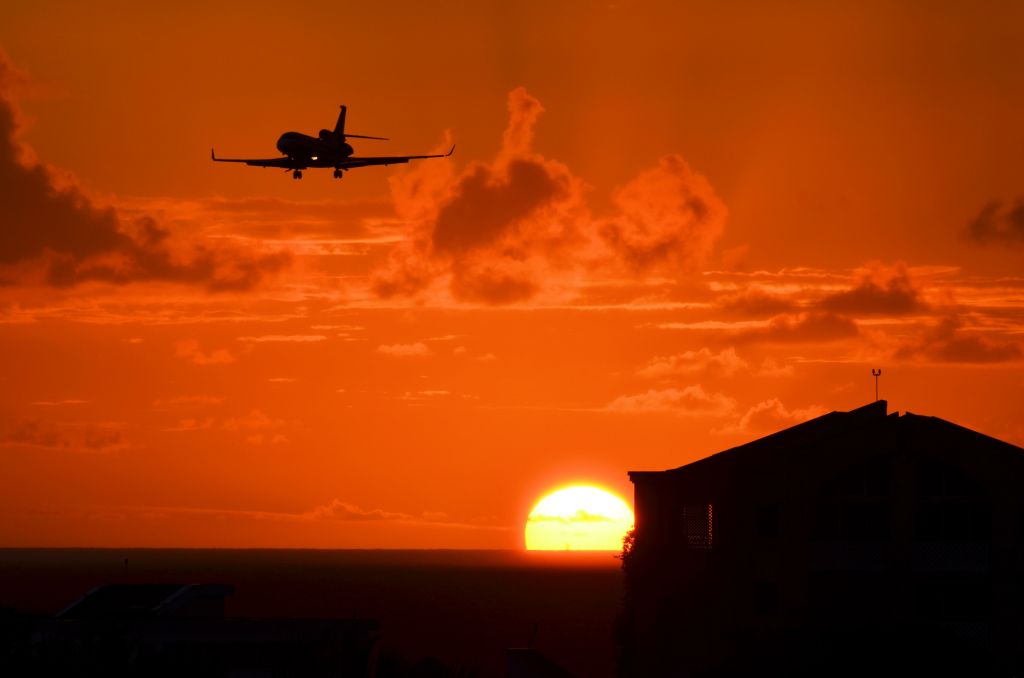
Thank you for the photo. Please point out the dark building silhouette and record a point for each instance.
(180, 630)
(530, 663)
(857, 543)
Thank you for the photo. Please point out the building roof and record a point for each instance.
(834, 424)
(140, 600)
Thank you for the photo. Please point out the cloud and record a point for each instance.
(668, 219)
(811, 326)
(755, 301)
(518, 227)
(189, 349)
(421, 395)
(692, 400)
(256, 427)
(261, 428)
(771, 415)
(54, 234)
(726, 362)
(328, 222)
(580, 516)
(341, 510)
(880, 290)
(770, 367)
(951, 341)
(417, 350)
(997, 224)
(71, 437)
(335, 510)
(192, 424)
(284, 338)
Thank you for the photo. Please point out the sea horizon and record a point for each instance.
(466, 606)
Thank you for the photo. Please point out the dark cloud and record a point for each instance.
(951, 341)
(755, 301)
(50, 229)
(666, 219)
(493, 282)
(340, 510)
(997, 224)
(881, 291)
(486, 205)
(518, 228)
(71, 437)
(811, 326)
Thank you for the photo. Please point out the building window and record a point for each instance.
(698, 522)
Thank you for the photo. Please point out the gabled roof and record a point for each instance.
(832, 425)
(123, 601)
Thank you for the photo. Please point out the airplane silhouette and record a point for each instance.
(328, 149)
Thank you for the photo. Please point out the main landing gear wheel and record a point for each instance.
(338, 174)
(297, 174)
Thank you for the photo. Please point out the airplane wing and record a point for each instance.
(289, 163)
(283, 162)
(389, 160)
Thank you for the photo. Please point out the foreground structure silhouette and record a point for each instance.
(857, 543)
(181, 630)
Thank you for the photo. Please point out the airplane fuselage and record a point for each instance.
(329, 148)
(310, 151)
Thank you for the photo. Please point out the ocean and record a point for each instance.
(462, 607)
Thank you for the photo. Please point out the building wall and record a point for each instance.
(844, 540)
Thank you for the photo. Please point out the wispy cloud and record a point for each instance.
(284, 338)
(335, 510)
(953, 340)
(189, 350)
(725, 362)
(689, 401)
(580, 516)
(96, 437)
(770, 415)
(416, 350)
(187, 401)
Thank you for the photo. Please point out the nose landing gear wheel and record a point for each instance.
(296, 174)
(338, 174)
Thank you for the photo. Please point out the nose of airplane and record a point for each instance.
(282, 144)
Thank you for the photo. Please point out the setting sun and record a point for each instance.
(578, 518)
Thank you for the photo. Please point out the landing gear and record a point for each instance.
(338, 174)
(297, 174)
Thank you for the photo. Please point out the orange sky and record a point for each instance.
(667, 228)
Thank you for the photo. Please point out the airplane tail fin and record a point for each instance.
(339, 127)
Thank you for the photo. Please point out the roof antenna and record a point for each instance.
(876, 374)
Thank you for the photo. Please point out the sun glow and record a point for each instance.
(578, 518)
